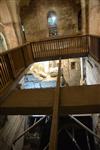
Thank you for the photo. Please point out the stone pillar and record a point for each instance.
(15, 14)
(9, 23)
(83, 8)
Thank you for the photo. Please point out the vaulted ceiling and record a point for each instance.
(24, 2)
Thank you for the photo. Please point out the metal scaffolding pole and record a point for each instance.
(27, 130)
(85, 127)
(73, 139)
(88, 142)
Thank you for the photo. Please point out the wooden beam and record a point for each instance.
(76, 99)
(55, 115)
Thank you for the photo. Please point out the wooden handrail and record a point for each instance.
(51, 39)
(64, 47)
(18, 47)
(47, 39)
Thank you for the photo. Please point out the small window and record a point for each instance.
(73, 65)
(52, 23)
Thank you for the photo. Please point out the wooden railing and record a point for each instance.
(15, 61)
(94, 49)
(5, 71)
(64, 47)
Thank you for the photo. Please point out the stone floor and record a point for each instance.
(31, 81)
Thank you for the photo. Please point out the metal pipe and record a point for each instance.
(27, 130)
(85, 127)
(46, 146)
(48, 143)
(73, 139)
(88, 142)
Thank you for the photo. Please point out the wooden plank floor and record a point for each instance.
(76, 99)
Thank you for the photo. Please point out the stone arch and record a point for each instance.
(9, 17)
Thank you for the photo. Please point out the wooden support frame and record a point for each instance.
(55, 115)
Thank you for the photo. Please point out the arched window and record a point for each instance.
(52, 23)
(3, 45)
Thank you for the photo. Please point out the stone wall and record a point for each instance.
(15, 14)
(34, 18)
(10, 19)
(13, 127)
(92, 71)
(72, 71)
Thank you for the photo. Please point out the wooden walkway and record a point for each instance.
(53, 101)
(74, 100)
(15, 61)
